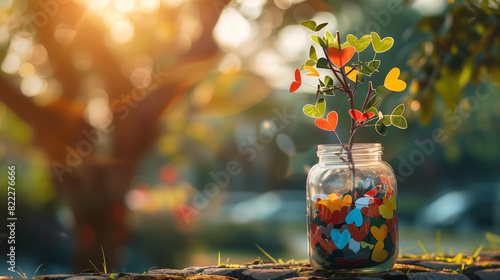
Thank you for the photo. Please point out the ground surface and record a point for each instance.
(487, 267)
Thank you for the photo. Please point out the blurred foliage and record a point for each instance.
(455, 50)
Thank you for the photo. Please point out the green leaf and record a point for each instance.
(321, 83)
(373, 110)
(381, 128)
(328, 81)
(373, 65)
(399, 122)
(398, 111)
(329, 40)
(315, 111)
(379, 90)
(385, 120)
(365, 69)
(360, 44)
(380, 46)
(346, 44)
(373, 101)
(320, 26)
(311, 24)
(361, 77)
(322, 63)
(312, 54)
(316, 39)
(310, 62)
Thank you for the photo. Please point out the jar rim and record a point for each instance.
(358, 151)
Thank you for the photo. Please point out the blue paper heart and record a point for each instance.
(355, 217)
(340, 240)
(354, 246)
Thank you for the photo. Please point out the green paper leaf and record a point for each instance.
(328, 81)
(329, 40)
(381, 128)
(321, 82)
(322, 63)
(398, 111)
(316, 39)
(379, 90)
(373, 65)
(310, 62)
(373, 110)
(373, 101)
(320, 26)
(311, 24)
(312, 54)
(360, 44)
(385, 120)
(365, 69)
(399, 122)
(315, 111)
(361, 77)
(344, 45)
(380, 46)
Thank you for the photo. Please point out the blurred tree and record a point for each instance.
(98, 113)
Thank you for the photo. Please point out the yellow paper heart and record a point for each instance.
(386, 211)
(365, 244)
(333, 196)
(379, 233)
(392, 81)
(352, 75)
(311, 71)
(378, 253)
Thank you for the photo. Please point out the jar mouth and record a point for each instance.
(358, 151)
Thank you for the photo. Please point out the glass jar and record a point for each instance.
(351, 210)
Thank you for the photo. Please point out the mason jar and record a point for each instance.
(351, 210)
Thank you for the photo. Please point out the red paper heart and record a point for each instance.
(371, 193)
(341, 57)
(347, 263)
(358, 234)
(344, 211)
(360, 117)
(334, 218)
(297, 83)
(370, 211)
(330, 123)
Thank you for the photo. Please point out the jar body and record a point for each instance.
(351, 210)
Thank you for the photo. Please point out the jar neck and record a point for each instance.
(360, 152)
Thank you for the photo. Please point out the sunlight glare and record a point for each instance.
(124, 6)
(5, 4)
(293, 41)
(171, 3)
(98, 113)
(11, 63)
(429, 7)
(148, 6)
(232, 29)
(122, 32)
(33, 85)
(26, 70)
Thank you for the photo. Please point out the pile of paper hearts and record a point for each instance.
(347, 233)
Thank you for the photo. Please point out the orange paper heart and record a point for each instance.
(341, 57)
(378, 253)
(379, 233)
(330, 123)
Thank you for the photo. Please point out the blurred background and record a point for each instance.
(163, 130)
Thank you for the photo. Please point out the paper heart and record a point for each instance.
(351, 73)
(346, 263)
(297, 83)
(358, 234)
(370, 211)
(317, 110)
(330, 123)
(378, 253)
(341, 57)
(354, 217)
(340, 240)
(363, 202)
(344, 211)
(383, 45)
(328, 216)
(392, 81)
(360, 117)
(360, 44)
(354, 246)
(371, 193)
(311, 71)
(379, 232)
(387, 209)
(366, 245)
(334, 196)
(326, 230)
